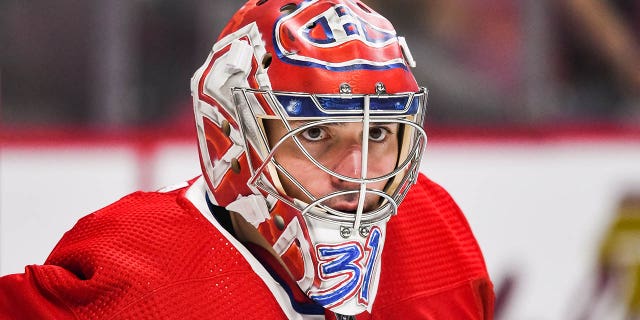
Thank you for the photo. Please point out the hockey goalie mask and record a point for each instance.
(310, 126)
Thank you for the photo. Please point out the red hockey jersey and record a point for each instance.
(161, 255)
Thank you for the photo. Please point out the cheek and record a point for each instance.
(310, 176)
(381, 163)
(299, 169)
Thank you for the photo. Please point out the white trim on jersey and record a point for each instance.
(196, 195)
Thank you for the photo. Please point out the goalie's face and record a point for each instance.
(338, 147)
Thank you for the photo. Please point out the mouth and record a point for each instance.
(349, 207)
(347, 203)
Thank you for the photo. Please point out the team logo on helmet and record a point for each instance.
(337, 37)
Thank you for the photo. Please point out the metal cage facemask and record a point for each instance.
(311, 212)
(376, 190)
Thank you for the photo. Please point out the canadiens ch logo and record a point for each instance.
(337, 37)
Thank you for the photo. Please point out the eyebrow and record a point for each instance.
(299, 123)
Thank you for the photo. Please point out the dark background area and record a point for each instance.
(110, 65)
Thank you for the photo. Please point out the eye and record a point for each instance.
(378, 134)
(314, 134)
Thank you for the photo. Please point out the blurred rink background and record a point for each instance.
(533, 123)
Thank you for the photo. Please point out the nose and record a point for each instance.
(348, 163)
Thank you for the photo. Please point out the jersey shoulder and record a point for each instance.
(151, 254)
(430, 225)
(430, 250)
(135, 223)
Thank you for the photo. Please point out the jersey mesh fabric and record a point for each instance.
(154, 256)
(150, 256)
(430, 249)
